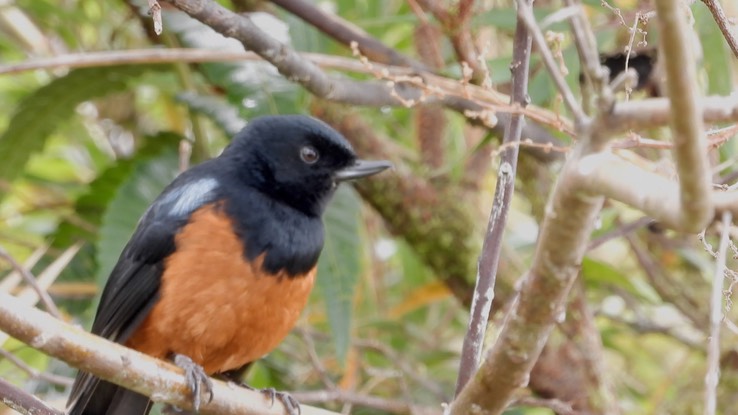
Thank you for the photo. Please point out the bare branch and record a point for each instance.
(525, 11)
(492, 247)
(173, 55)
(155, 12)
(345, 32)
(381, 404)
(712, 378)
(23, 402)
(722, 21)
(48, 377)
(122, 366)
(649, 113)
(686, 124)
(31, 281)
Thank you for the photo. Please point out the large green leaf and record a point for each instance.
(147, 179)
(91, 205)
(340, 264)
(40, 114)
(224, 115)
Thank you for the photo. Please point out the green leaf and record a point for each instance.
(91, 205)
(147, 179)
(340, 264)
(255, 88)
(597, 273)
(224, 115)
(716, 62)
(39, 114)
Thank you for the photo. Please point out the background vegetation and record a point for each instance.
(98, 113)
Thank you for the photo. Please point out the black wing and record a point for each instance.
(133, 286)
(130, 293)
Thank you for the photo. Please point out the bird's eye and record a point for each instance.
(309, 154)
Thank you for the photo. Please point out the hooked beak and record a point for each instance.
(362, 168)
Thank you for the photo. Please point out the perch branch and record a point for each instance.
(122, 366)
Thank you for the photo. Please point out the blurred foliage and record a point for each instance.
(83, 151)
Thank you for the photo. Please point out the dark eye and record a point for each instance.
(309, 154)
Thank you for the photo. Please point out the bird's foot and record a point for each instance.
(290, 403)
(196, 378)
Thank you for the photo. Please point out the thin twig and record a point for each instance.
(492, 245)
(315, 360)
(23, 402)
(345, 32)
(525, 11)
(31, 281)
(716, 316)
(723, 23)
(186, 55)
(353, 398)
(621, 230)
(402, 364)
(48, 377)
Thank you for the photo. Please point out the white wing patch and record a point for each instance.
(190, 197)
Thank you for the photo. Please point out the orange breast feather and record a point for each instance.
(216, 307)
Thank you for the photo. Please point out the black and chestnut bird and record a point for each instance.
(222, 263)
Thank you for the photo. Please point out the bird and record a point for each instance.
(221, 264)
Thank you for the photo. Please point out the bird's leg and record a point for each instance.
(195, 376)
(290, 403)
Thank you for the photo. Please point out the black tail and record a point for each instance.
(92, 396)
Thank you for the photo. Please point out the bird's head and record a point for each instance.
(297, 160)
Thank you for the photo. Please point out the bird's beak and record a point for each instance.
(362, 168)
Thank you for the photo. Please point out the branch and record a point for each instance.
(655, 112)
(456, 26)
(373, 402)
(712, 378)
(723, 23)
(32, 282)
(125, 367)
(466, 99)
(695, 204)
(525, 11)
(489, 258)
(569, 219)
(23, 402)
(188, 55)
(345, 32)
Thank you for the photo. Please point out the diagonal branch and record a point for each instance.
(723, 23)
(122, 366)
(489, 258)
(525, 11)
(346, 33)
